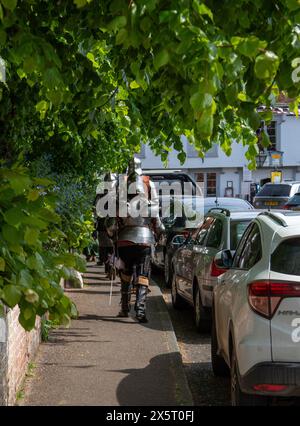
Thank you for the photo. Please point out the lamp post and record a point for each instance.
(261, 159)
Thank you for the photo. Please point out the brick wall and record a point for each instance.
(17, 349)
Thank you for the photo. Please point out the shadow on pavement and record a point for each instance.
(156, 384)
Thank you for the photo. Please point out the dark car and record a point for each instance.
(275, 195)
(186, 185)
(293, 203)
(181, 222)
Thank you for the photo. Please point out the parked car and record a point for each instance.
(177, 230)
(256, 311)
(229, 203)
(275, 195)
(194, 272)
(173, 176)
(180, 216)
(293, 203)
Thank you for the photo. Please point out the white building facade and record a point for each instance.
(230, 176)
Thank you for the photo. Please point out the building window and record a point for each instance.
(211, 184)
(211, 153)
(209, 181)
(272, 132)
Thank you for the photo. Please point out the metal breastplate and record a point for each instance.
(136, 230)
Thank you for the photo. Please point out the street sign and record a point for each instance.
(276, 176)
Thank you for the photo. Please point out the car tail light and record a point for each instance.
(264, 387)
(186, 233)
(264, 296)
(216, 271)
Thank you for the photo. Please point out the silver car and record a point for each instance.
(194, 271)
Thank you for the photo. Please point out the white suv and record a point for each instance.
(256, 311)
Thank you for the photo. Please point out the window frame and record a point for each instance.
(196, 241)
(210, 230)
(254, 225)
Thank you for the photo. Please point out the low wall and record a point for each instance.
(17, 349)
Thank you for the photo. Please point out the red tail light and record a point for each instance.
(186, 234)
(265, 296)
(215, 271)
(269, 388)
(287, 207)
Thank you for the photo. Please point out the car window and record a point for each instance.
(295, 199)
(237, 230)
(168, 215)
(252, 250)
(215, 234)
(235, 205)
(275, 190)
(173, 214)
(285, 258)
(240, 246)
(203, 230)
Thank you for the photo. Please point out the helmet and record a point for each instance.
(110, 177)
(135, 167)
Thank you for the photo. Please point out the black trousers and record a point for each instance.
(137, 261)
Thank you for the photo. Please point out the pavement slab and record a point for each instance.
(108, 361)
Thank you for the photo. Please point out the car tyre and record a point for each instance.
(177, 300)
(239, 398)
(201, 315)
(219, 366)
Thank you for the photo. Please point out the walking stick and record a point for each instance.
(113, 275)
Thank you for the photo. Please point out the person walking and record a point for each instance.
(135, 239)
(106, 244)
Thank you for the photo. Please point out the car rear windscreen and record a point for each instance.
(236, 231)
(286, 257)
(275, 190)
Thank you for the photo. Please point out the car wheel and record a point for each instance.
(167, 272)
(239, 398)
(177, 301)
(201, 316)
(219, 366)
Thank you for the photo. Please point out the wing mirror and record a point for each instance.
(224, 259)
(178, 240)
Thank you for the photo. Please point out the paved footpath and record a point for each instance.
(104, 360)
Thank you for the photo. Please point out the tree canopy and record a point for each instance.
(87, 81)
(90, 80)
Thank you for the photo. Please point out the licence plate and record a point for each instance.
(271, 203)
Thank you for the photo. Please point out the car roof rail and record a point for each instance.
(221, 210)
(275, 217)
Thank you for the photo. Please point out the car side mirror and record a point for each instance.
(224, 259)
(178, 240)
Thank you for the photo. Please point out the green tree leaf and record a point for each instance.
(117, 23)
(2, 264)
(11, 234)
(10, 4)
(31, 296)
(161, 59)
(11, 295)
(266, 65)
(14, 216)
(32, 236)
